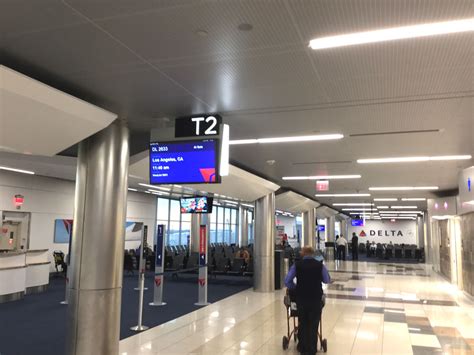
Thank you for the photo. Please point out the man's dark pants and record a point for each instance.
(341, 252)
(355, 252)
(308, 322)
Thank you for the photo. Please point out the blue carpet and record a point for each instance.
(36, 325)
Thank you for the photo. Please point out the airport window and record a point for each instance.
(250, 226)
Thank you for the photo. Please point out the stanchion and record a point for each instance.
(202, 279)
(159, 268)
(140, 327)
(66, 296)
(141, 261)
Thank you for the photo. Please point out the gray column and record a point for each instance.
(264, 247)
(194, 237)
(421, 231)
(243, 227)
(344, 229)
(331, 229)
(309, 228)
(98, 243)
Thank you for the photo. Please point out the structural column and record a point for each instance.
(420, 231)
(309, 228)
(243, 227)
(264, 248)
(98, 243)
(344, 230)
(331, 229)
(194, 237)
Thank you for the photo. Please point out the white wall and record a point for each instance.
(290, 227)
(385, 231)
(48, 199)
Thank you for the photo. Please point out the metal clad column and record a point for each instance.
(243, 227)
(309, 228)
(344, 230)
(194, 237)
(331, 229)
(264, 248)
(98, 244)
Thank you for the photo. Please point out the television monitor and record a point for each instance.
(321, 228)
(201, 204)
(357, 223)
(185, 162)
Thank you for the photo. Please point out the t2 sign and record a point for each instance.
(197, 126)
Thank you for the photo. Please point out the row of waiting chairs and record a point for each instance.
(396, 251)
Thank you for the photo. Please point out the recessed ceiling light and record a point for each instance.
(385, 199)
(413, 159)
(403, 207)
(245, 27)
(318, 137)
(17, 170)
(342, 195)
(403, 188)
(395, 33)
(155, 187)
(352, 204)
(414, 199)
(321, 177)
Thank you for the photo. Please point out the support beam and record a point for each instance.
(264, 248)
(243, 227)
(309, 228)
(98, 244)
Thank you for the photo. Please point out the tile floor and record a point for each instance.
(370, 309)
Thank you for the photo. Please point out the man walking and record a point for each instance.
(355, 247)
(310, 273)
(341, 243)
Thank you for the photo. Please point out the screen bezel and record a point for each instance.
(217, 149)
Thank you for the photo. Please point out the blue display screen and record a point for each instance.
(321, 228)
(357, 222)
(188, 162)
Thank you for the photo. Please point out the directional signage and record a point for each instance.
(202, 246)
(159, 246)
(197, 126)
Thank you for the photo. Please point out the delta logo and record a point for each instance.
(362, 234)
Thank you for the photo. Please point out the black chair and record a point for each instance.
(388, 253)
(379, 252)
(237, 267)
(408, 254)
(398, 253)
(249, 269)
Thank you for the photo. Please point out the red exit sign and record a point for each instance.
(322, 185)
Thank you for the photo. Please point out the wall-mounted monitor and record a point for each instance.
(201, 204)
(357, 223)
(185, 162)
(321, 228)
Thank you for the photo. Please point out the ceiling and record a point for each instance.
(156, 59)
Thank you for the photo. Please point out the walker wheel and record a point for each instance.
(324, 345)
(285, 342)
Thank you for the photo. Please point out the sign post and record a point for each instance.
(141, 285)
(159, 267)
(202, 278)
(141, 261)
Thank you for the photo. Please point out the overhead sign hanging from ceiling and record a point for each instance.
(199, 154)
(198, 126)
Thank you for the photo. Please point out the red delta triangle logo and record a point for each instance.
(209, 175)
(362, 234)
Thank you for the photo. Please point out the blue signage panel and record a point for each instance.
(184, 162)
(321, 228)
(357, 222)
(159, 246)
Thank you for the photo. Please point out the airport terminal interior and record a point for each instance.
(236, 177)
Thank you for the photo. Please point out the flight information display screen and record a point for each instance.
(357, 222)
(184, 162)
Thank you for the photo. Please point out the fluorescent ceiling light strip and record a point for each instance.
(359, 209)
(131, 189)
(413, 159)
(319, 137)
(403, 207)
(322, 177)
(382, 207)
(342, 195)
(391, 34)
(414, 199)
(400, 212)
(17, 170)
(385, 199)
(403, 188)
(246, 205)
(154, 192)
(352, 204)
(155, 187)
